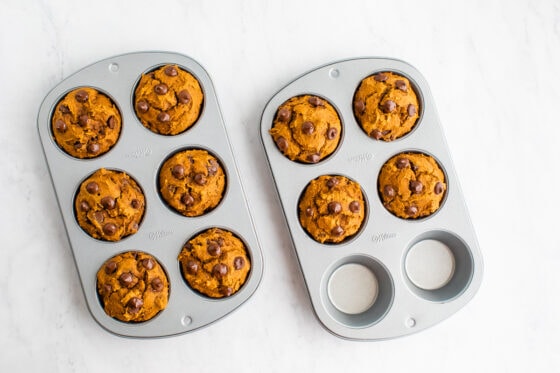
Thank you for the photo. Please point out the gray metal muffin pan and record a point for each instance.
(162, 232)
(400, 307)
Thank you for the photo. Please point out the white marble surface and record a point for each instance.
(493, 67)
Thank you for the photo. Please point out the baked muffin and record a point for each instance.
(132, 287)
(306, 129)
(332, 208)
(168, 100)
(411, 185)
(109, 205)
(215, 263)
(86, 123)
(192, 182)
(386, 106)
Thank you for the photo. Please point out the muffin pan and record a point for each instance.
(395, 276)
(162, 232)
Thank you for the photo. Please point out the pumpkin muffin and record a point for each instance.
(306, 129)
(215, 263)
(168, 100)
(386, 106)
(86, 123)
(411, 185)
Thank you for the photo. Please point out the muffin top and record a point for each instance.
(168, 100)
(411, 185)
(86, 123)
(386, 106)
(132, 287)
(306, 129)
(192, 182)
(109, 205)
(332, 208)
(215, 263)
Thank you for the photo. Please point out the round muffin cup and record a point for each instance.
(378, 253)
(141, 153)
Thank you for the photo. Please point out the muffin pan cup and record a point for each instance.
(381, 245)
(163, 232)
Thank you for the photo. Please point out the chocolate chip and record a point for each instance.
(108, 203)
(99, 216)
(380, 77)
(354, 206)
(337, 231)
(84, 206)
(402, 163)
(64, 109)
(360, 106)
(438, 188)
(93, 148)
(200, 179)
(161, 89)
(170, 71)
(238, 262)
(110, 267)
(411, 110)
(282, 143)
(192, 267)
(212, 167)
(315, 101)
(284, 115)
(77, 145)
(415, 186)
(81, 96)
(126, 279)
(334, 207)
(376, 134)
(134, 305)
(163, 117)
(313, 158)
(178, 171)
(411, 210)
(331, 133)
(107, 289)
(157, 284)
(401, 84)
(388, 106)
(184, 96)
(135, 204)
(413, 167)
(187, 199)
(307, 128)
(111, 122)
(142, 106)
(389, 191)
(147, 263)
(60, 126)
(226, 291)
(309, 211)
(92, 187)
(214, 248)
(220, 270)
(109, 229)
(332, 182)
(83, 120)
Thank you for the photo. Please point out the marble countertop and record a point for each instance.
(493, 68)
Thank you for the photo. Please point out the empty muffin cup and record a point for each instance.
(357, 291)
(438, 266)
